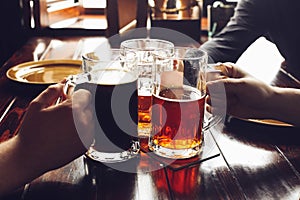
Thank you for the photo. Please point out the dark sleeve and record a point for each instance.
(13, 34)
(247, 24)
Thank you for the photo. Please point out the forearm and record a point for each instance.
(15, 169)
(285, 105)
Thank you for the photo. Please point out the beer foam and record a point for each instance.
(172, 79)
(112, 77)
(182, 94)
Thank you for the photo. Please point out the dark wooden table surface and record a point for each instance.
(240, 160)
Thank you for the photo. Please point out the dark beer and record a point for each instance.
(116, 109)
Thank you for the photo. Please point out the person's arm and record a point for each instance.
(248, 97)
(48, 137)
(284, 105)
(249, 22)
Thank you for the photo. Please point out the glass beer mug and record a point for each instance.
(145, 48)
(178, 105)
(112, 80)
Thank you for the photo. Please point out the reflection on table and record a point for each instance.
(246, 160)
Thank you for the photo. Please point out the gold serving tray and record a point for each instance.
(270, 122)
(44, 72)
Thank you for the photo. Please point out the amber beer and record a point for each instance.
(145, 49)
(108, 92)
(177, 117)
(144, 104)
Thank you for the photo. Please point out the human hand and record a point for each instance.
(49, 137)
(246, 96)
(230, 70)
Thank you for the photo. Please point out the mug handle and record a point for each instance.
(73, 80)
(210, 120)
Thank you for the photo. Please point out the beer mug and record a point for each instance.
(178, 104)
(112, 80)
(145, 49)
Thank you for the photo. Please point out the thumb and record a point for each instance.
(231, 70)
(48, 97)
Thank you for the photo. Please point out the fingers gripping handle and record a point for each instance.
(72, 81)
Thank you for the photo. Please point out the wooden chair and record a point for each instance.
(218, 15)
(185, 19)
(120, 15)
(38, 18)
(125, 14)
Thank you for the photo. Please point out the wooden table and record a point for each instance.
(241, 159)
